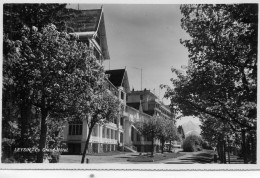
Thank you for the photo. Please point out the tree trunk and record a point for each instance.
(162, 145)
(24, 107)
(228, 150)
(253, 140)
(221, 151)
(218, 150)
(152, 144)
(86, 145)
(249, 148)
(170, 146)
(43, 133)
(224, 151)
(244, 149)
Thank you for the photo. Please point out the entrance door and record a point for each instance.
(74, 148)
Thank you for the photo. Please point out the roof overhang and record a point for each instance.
(88, 24)
(126, 82)
(103, 37)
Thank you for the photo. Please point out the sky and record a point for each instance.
(147, 37)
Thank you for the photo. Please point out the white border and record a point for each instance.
(130, 167)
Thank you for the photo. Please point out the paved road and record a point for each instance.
(120, 158)
(201, 157)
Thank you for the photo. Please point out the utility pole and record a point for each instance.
(141, 76)
(141, 79)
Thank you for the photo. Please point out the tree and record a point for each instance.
(171, 134)
(192, 143)
(102, 108)
(167, 132)
(216, 134)
(181, 132)
(150, 129)
(39, 15)
(15, 17)
(52, 70)
(221, 78)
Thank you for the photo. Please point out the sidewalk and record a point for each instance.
(233, 160)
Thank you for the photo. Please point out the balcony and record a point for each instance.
(134, 115)
(112, 88)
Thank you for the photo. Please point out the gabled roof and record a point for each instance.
(134, 105)
(87, 24)
(86, 20)
(118, 77)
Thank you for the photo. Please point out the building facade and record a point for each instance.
(150, 104)
(120, 133)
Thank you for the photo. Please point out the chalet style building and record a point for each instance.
(150, 104)
(120, 133)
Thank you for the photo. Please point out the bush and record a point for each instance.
(192, 143)
(205, 145)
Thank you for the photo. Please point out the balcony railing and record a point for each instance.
(112, 88)
(135, 116)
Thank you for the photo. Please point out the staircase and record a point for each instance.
(130, 148)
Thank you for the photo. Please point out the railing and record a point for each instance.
(135, 116)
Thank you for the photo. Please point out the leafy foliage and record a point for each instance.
(39, 15)
(192, 143)
(149, 128)
(220, 80)
(103, 107)
(159, 128)
(167, 131)
(52, 72)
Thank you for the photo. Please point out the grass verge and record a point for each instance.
(156, 157)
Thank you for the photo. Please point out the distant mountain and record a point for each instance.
(191, 128)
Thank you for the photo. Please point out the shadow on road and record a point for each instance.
(201, 158)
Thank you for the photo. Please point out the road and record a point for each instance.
(201, 157)
(121, 158)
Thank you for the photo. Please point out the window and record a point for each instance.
(104, 132)
(95, 132)
(132, 134)
(115, 120)
(108, 133)
(122, 121)
(75, 128)
(122, 95)
(116, 135)
(121, 137)
(138, 138)
(112, 134)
